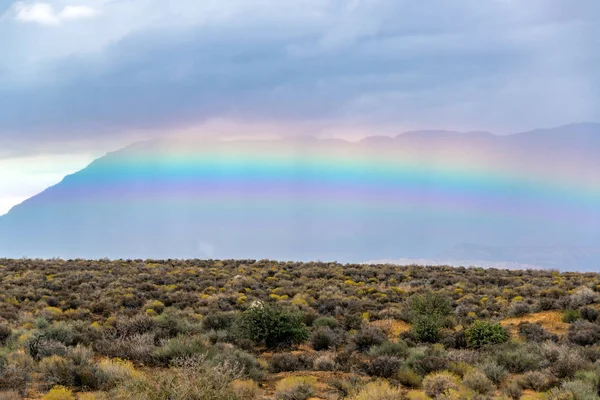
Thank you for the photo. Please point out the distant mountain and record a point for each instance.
(457, 263)
(529, 198)
(565, 257)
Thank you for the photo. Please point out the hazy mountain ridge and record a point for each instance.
(75, 217)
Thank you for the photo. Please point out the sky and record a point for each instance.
(79, 78)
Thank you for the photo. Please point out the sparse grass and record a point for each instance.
(551, 321)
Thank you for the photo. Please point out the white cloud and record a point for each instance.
(77, 12)
(44, 13)
(40, 13)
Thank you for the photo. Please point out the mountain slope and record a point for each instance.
(418, 195)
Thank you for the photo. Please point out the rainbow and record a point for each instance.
(336, 190)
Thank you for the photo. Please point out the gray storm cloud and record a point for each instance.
(75, 72)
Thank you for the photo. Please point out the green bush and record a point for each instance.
(429, 313)
(271, 325)
(431, 303)
(483, 333)
(570, 316)
(398, 349)
(426, 329)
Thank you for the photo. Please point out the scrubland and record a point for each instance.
(248, 329)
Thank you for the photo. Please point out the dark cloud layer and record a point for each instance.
(146, 64)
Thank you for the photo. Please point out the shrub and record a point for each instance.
(559, 393)
(272, 326)
(426, 328)
(478, 381)
(326, 321)
(10, 395)
(429, 363)
(581, 390)
(218, 321)
(512, 389)
(178, 348)
(482, 333)
(570, 316)
(430, 304)
(170, 324)
(56, 370)
(589, 314)
(138, 348)
(431, 359)
(384, 366)
(538, 381)
(519, 309)
(582, 296)
(93, 396)
(591, 376)
(584, 333)
(379, 390)
(325, 362)
(495, 372)
(460, 368)
(286, 362)
(409, 378)
(5, 333)
(535, 333)
(368, 336)
(395, 349)
(47, 348)
(59, 393)
(248, 365)
(417, 395)
(295, 388)
(345, 386)
(15, 371)
(113, 372)
(137, 325)
(192, 378)
(518, 359)
(325, 338)
(245, 389)
(429, 313)
(568, 362)
(352, 321)
(61, 332)
(438, 383)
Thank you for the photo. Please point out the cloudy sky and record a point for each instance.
(81, 78)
